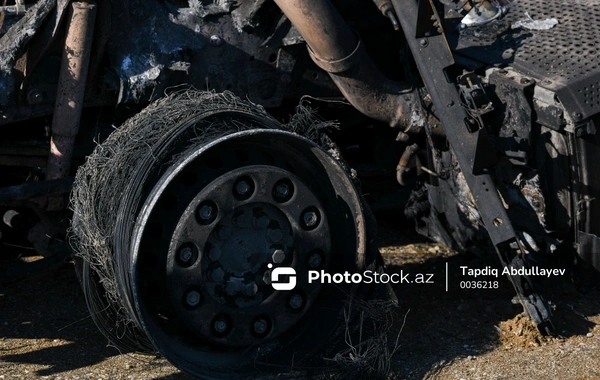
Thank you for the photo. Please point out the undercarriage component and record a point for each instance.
(335, 48)
(71, 88)
(192, 259)
(33, 241)
(196, 222)
(434, 61)
(405, 159)
(386, 9)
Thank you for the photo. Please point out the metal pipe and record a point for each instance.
(387, 9)
(71, 89)
(404, 161)
(336, 49)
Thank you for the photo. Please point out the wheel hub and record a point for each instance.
(230, 237)
(247, 239)
(217, 223)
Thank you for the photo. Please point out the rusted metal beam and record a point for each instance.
(71, 88)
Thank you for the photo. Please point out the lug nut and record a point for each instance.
(260, 222)
(296, 301)
(185, 254)
(260, 326)
(207, 212)
(310, 219)
(274, 235)
(242, 188)
(220, 325)
(267, 277)
(278, 256)
(214, 253)
(192, 298)
(232, 288)
(250, 289)
(217, 275)
(315, 260)
(282, 192)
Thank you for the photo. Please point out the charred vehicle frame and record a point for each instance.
(177, 209)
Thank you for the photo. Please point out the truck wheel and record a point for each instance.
(190, 222)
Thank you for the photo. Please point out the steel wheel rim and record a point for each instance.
(181, 353)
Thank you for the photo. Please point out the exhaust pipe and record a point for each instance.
(335, 48)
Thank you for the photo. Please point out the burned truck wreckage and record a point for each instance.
(145, 139)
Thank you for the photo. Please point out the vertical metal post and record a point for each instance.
(71, 88)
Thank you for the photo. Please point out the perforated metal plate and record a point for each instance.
(565, 58)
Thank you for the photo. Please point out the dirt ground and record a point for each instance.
(45, 330)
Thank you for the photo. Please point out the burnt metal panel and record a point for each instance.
(565, 58)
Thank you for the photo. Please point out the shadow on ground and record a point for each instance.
(435, 327)
(438, 327)
(48, 316)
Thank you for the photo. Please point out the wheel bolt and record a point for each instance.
(250, 289)
(260, 222)
(185, 254)
(232, 288)
(260, 326)
(220, 325)
(215, 253)
(192, 298)
(315, 260)
(310, 219)
(206, 212)
(296, 301)
(274, 235)
(217, 275)
(278, 256)
(282, 190)
(267, 277)
(242, 188)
